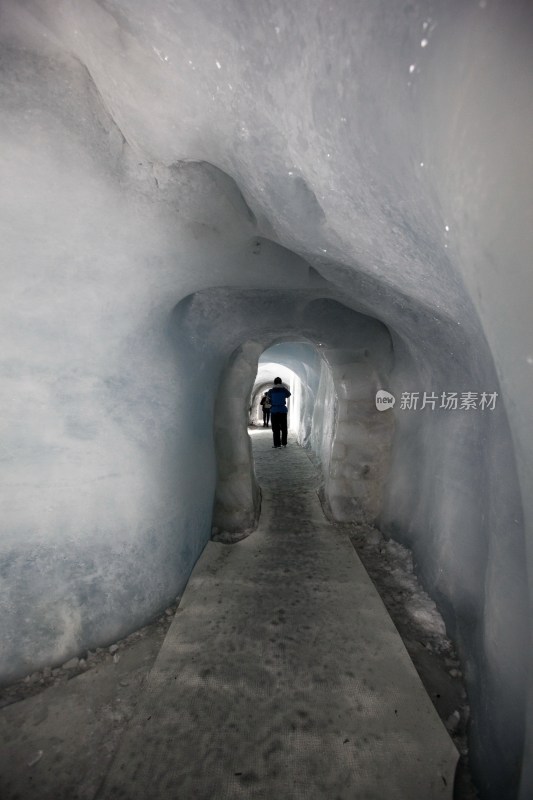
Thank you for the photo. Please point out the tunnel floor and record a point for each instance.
(282, 675)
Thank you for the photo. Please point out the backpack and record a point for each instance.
(268, 402)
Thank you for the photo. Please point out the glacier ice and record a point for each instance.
(187, 186)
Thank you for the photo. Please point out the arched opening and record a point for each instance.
(267, 370)
(332, 412)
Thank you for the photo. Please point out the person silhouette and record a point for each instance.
(266, 405)
(278, 413)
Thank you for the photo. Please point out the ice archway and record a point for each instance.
(340, 384)
(183, 185)
(266, 372)
(334, 414)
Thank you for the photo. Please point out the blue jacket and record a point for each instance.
(278, 395)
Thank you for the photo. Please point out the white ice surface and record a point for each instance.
(137, 174)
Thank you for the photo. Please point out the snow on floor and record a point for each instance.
(390, 565)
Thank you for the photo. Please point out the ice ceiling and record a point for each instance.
(185, 184)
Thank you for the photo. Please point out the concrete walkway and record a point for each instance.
(282, 675)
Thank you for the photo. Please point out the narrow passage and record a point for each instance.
(282, 675)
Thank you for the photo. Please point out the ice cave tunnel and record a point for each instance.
(341, 189)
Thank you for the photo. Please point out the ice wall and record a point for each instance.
(108, 462)
(379, 156)
(237, 497)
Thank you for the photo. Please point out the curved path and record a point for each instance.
(282, 675)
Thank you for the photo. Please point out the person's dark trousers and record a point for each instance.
(279, 429)
(266, 416)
